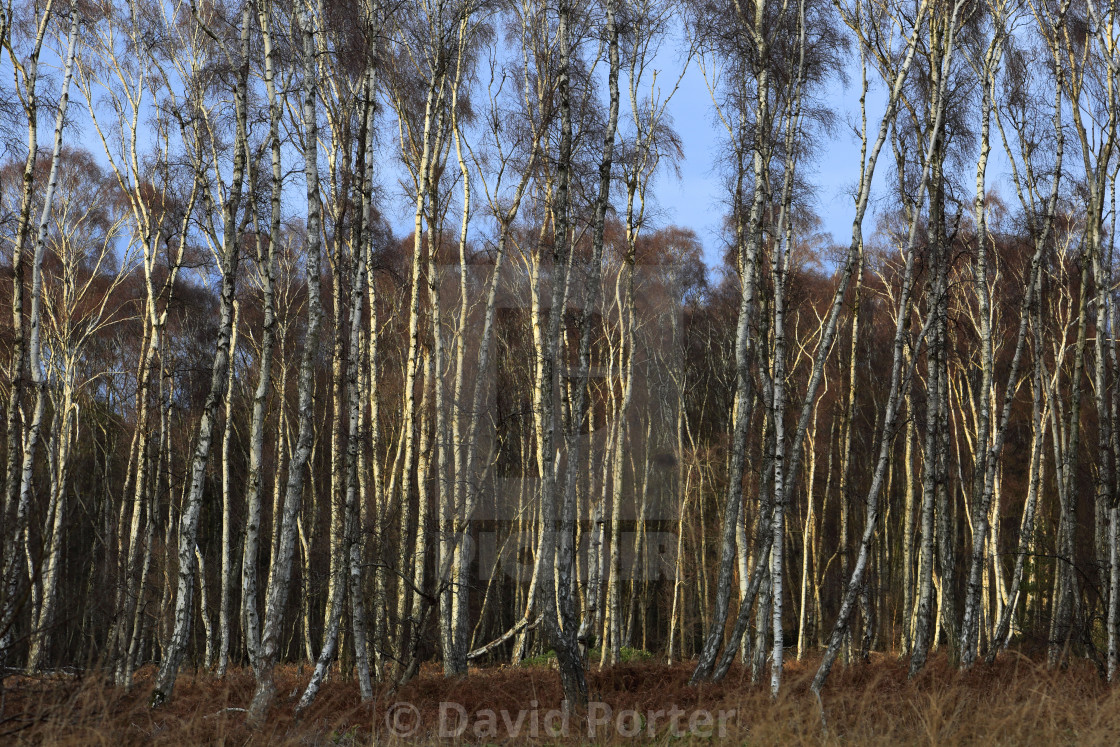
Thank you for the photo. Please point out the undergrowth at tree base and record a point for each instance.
(1017, 701)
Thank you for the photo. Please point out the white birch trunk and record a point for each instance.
(31, 431)
(279, 579)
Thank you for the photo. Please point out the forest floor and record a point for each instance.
(1017, 701)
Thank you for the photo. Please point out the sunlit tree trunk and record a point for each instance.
(229, 258)
(266, 263)
(279, 578)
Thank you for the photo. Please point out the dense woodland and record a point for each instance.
(247, 422)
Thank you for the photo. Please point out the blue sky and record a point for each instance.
(697, 199)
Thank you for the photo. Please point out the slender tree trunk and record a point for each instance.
(279, 577)
(227, 512)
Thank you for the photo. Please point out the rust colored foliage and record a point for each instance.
(1015, 701)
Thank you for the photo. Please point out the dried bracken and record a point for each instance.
(1016, 701)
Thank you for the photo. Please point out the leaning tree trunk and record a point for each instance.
(279, 579)
(749, 238)
(188, 527)
(31, 435)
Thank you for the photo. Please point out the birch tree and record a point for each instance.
(279, 578)
(27, 74)
(80, 302)
(229, 257)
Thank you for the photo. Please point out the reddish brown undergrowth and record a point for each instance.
(1016, 701)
